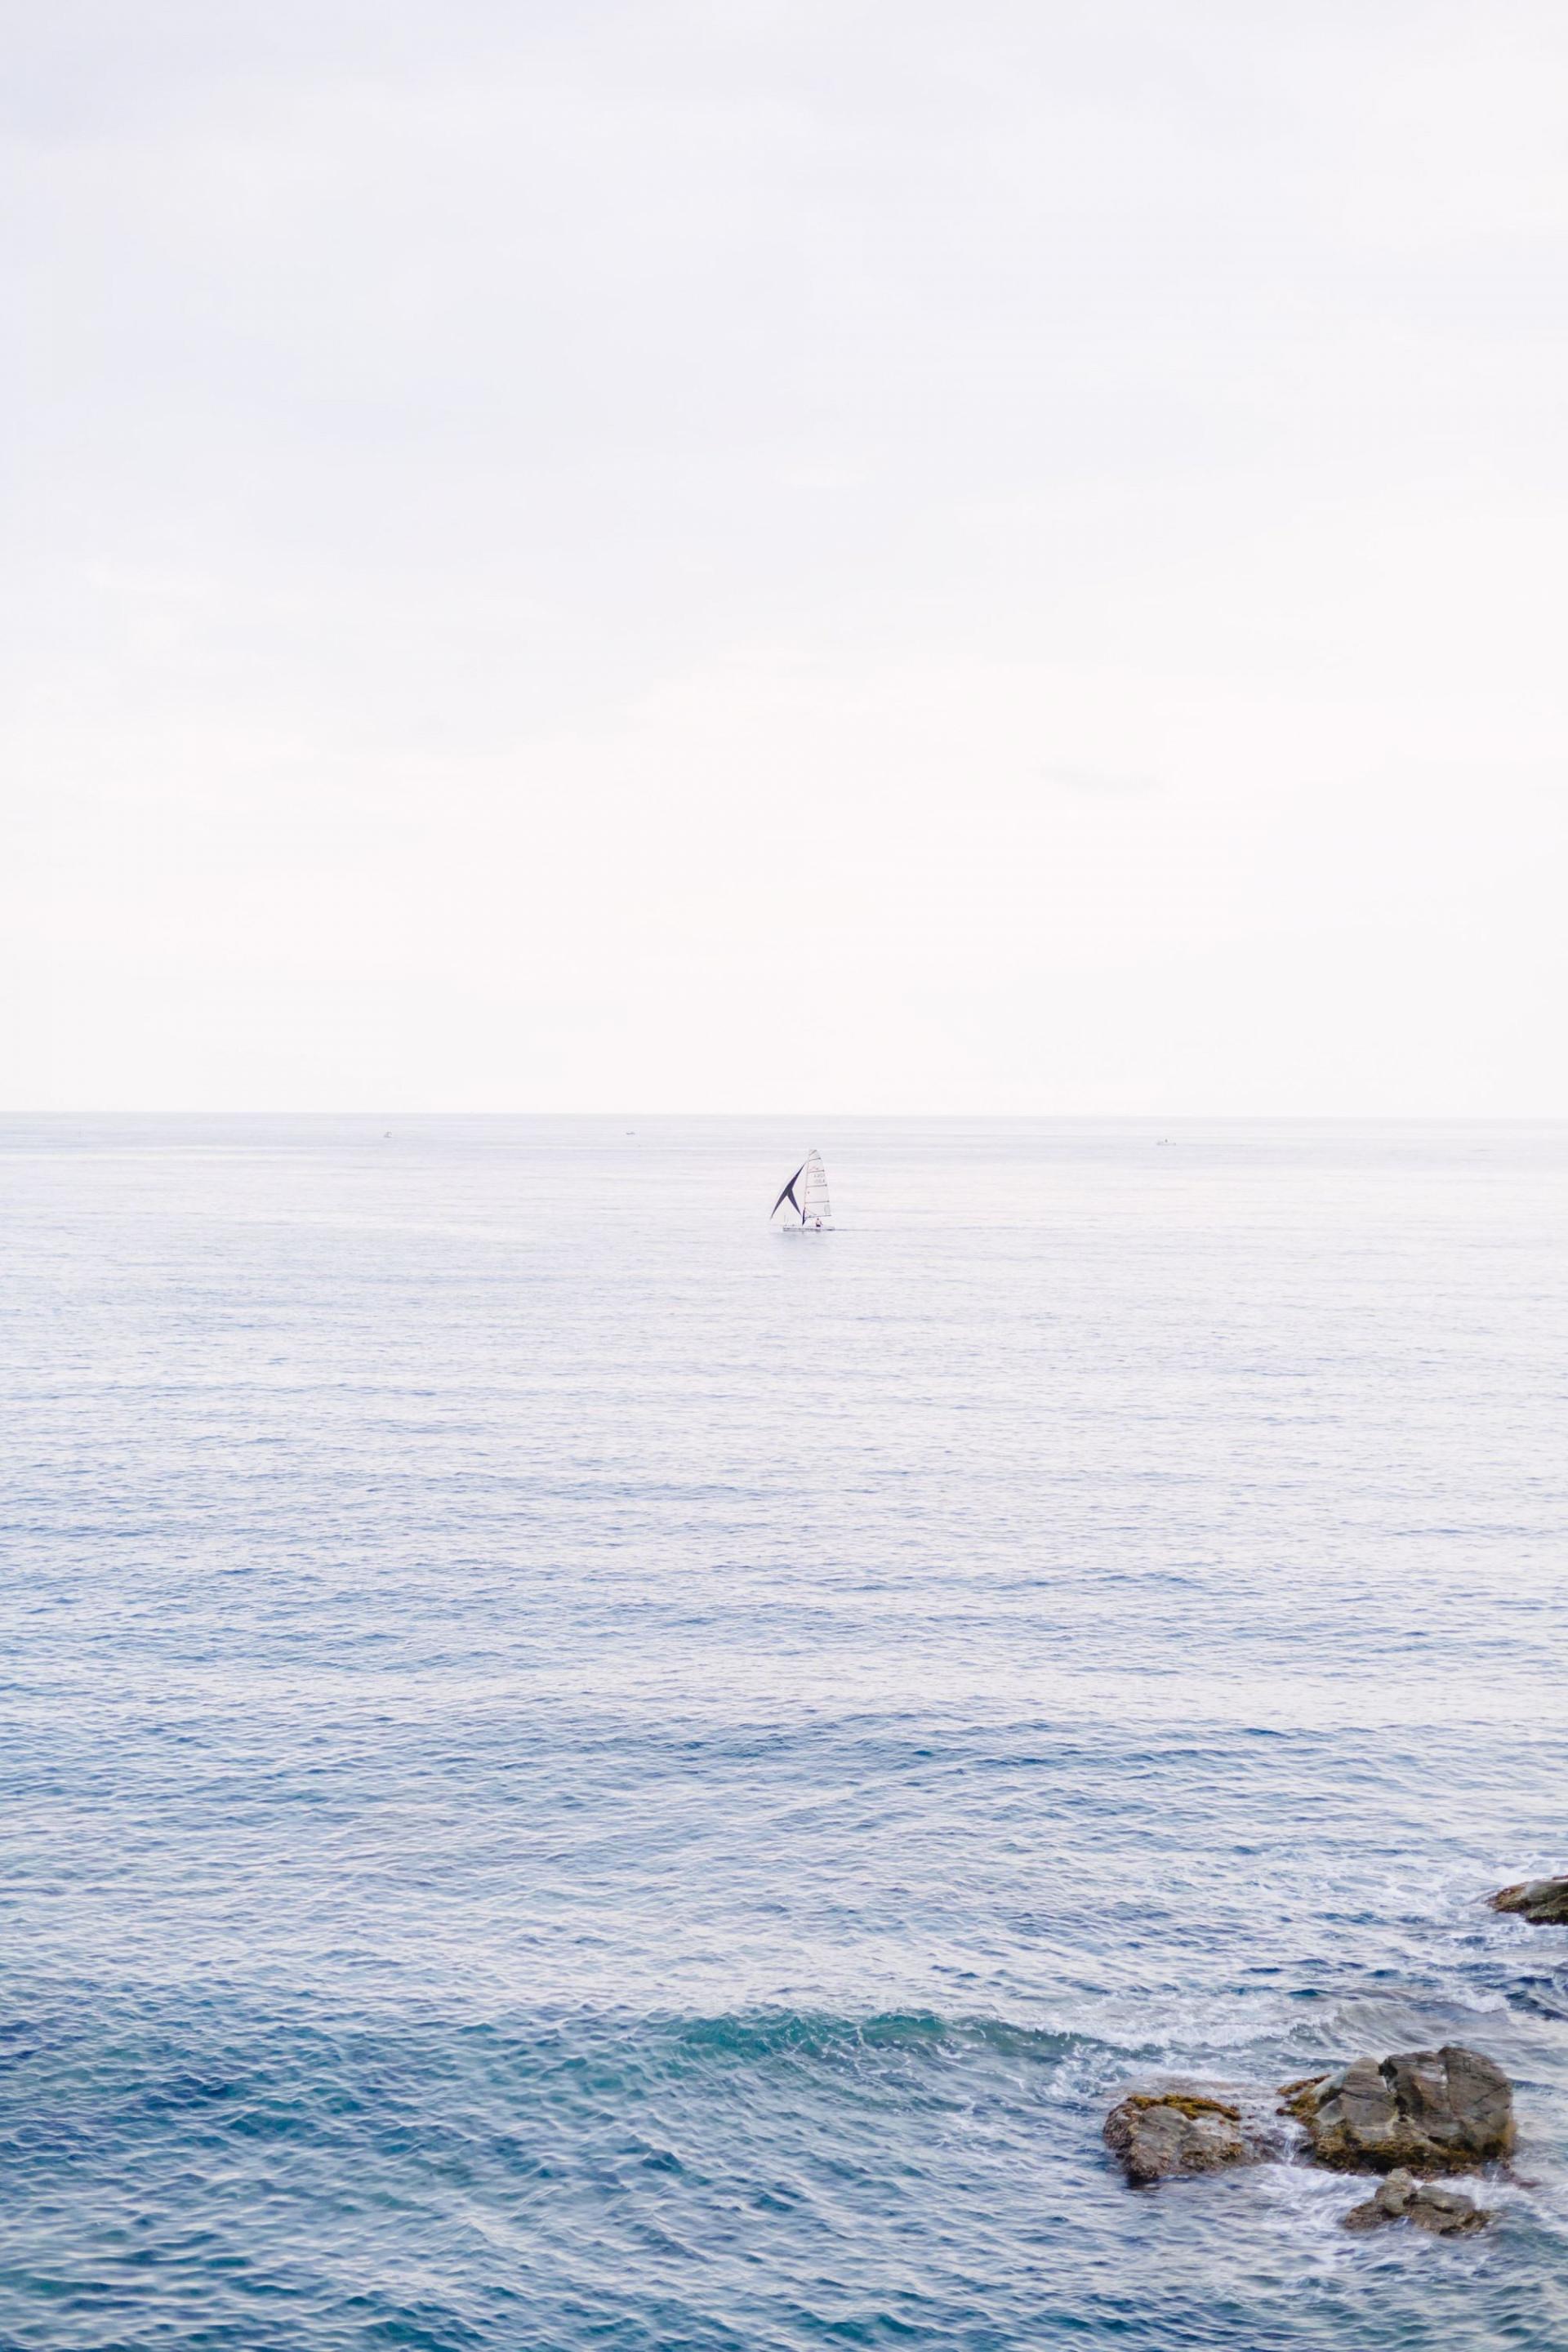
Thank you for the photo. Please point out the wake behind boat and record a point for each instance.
(803, 1207)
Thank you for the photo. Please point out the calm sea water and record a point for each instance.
(577, 1774)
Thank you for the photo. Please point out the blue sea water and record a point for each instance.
(578, 1774)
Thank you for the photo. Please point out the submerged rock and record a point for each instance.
(1401, 2198)
(1542, 1901)
(1426, 2111)
(1157, 2133)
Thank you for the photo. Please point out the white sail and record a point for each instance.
(804, 1205)
(813, 1191)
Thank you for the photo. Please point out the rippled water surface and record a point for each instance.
(576, 1773)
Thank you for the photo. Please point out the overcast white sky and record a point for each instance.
(768, 555)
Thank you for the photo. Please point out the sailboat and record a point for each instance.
(804, 1206)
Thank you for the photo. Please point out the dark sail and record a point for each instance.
(788, 1195)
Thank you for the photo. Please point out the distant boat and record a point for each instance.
(804, 1206)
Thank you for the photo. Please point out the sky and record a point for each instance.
(762, 555)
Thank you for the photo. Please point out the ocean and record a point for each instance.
(575, 1773)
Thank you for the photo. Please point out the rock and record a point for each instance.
(1160, 2133)
(1401, 2198)
(1542, 1901)
(1426, 2111)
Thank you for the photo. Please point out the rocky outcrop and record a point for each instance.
(1157, 2134)
(1425, 2112)
(1402, 2198)
(1542, 1901)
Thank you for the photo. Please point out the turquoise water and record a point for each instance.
(578, 1774)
